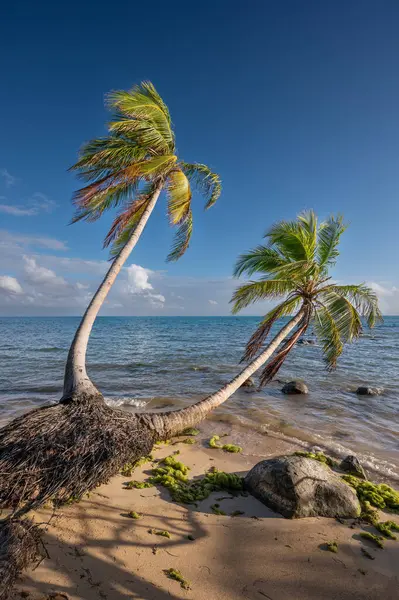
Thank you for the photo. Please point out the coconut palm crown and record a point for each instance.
(294, 266)
(125, 168)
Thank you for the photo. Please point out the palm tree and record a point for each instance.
(294, 266)
(128, 169)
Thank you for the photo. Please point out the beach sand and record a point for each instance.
(97, 552)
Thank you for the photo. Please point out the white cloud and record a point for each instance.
(138, 279)
(37, 274)
(381, 290)
(34, 205)
(9, 180)
(212, 302)
(15, 211)
(8, 239)
(10, 284)
(388, 296)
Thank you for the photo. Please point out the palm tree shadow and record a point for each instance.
(79, 570)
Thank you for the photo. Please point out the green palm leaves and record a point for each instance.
(294, 267)
(138, 156)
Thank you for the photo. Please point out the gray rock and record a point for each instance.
(295, 387)
(368, 391)
(248, 383)
(351, 465)
(296, 487)
(305, 342)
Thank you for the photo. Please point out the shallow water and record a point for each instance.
(157, 361)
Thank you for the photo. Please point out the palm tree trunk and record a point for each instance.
(171, 423)
(76, 380)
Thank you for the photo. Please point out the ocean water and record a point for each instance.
(156, 362)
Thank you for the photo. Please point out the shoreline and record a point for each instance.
(97, 551)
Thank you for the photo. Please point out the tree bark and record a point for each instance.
(171, 423)
(76, 380)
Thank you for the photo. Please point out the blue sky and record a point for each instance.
(294, 104)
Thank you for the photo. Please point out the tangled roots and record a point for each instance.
(60, 452)
(20, 546)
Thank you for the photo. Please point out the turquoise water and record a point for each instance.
(156, 361)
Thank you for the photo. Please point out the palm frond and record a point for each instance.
(154, 167)
(309, 229)
(261, 259)
(328, 239)
(206, 181)
(142, 109)
(179, 196)
(182, 238)
(258, 338)
(345, 315)
(260, 290)
(104, 156)
(126, 220)
(363, 298)
(287, 238)
(96, 198)
(328, 336)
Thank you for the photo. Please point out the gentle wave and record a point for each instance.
(121, 401)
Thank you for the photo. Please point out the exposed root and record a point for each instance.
(20, 546)
(60, 452)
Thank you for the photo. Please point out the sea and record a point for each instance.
(168, 362)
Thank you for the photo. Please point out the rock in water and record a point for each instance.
(295, 387)
(351, 465)
(298, 487)
(248, 383)
(364, 390)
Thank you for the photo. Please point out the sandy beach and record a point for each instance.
(95, 551)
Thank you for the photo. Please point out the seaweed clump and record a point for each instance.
(190, 431)
(386, 528)
(218, 511)
(332, 547)
(128, 468)
(379, 495)
(133, 515)
(138, 485)
(213, 443)
(174, 476)
(376, 539)
(319, 456)
(177, 576)
(162, 533)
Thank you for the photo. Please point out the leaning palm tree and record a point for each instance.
(294, 268)
(127, 170)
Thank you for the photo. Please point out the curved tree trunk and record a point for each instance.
(169, 424)
(76, 380)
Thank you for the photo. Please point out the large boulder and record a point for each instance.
(364, 390)
(295, 487)
(295, 387)
(351, 465)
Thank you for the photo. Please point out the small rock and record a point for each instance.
(295, 387)
(296, 486)
(351, 465)
(248, 383)
(364, 390)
